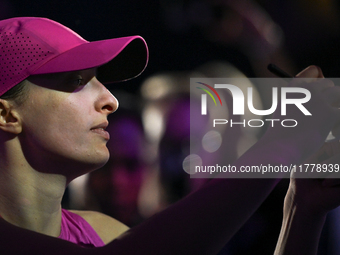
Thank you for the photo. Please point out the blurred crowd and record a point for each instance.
(150, 132)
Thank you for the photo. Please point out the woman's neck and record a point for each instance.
(31, 199)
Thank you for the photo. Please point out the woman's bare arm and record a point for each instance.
(205, 220)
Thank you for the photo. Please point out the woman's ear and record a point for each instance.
(9, 117)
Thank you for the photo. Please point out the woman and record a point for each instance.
(52, 128)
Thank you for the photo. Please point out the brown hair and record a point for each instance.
(17, 93)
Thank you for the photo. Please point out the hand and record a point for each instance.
(309, 200)
(306, 205)
(318, 196)
(311, 131)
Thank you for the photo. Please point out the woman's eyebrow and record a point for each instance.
(91, 71)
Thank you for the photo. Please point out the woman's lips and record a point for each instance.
(101, 132)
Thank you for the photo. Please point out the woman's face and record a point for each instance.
(63, 122)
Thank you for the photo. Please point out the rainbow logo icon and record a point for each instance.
(209, 93)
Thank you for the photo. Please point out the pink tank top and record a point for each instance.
(76, 230)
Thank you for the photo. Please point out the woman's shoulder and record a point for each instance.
(106, 227)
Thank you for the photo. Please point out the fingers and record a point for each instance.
(311, 72)
(324, 89)
(312, 79)
(314, 74)
(319, 85)
(309, 75)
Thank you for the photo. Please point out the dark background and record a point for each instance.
(174, 36)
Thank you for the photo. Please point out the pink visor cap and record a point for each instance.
(31, 45)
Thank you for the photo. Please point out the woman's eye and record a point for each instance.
(79, 81)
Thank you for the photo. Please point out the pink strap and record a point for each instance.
(77, 230)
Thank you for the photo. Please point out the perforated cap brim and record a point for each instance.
(118, 59)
